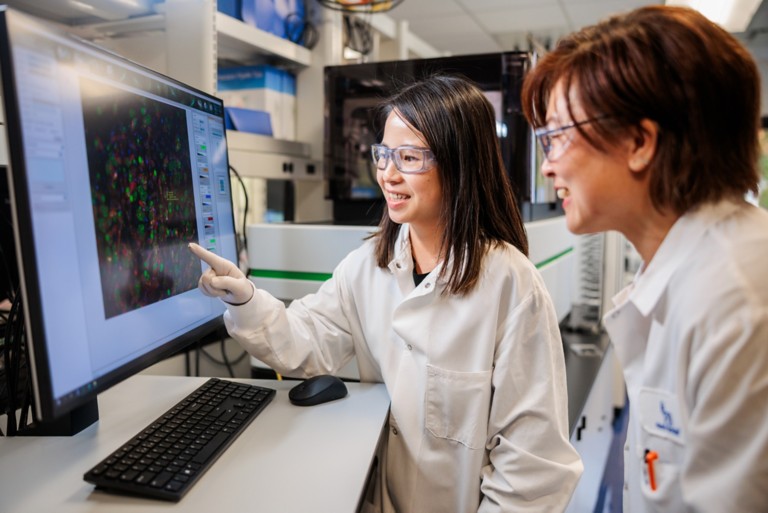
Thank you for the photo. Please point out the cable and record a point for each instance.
(19, 360)
(10, 386)
(300, 30)
(244, 246)
(14, 360)
(224, 362)
(359, 36)
(197, 358)
(225, 359)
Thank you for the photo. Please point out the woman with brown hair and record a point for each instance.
(648, 122)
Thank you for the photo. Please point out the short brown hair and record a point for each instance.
(676, 68)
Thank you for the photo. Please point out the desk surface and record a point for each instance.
(290, 459)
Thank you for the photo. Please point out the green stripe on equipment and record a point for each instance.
(289, 275)
(305, 276)
(553, 258)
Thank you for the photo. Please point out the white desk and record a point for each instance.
(290, 459)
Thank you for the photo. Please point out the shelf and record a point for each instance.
(239, 41)
(108, 29)
(259, 156)
(264, 144)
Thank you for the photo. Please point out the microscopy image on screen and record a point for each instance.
(142, 195)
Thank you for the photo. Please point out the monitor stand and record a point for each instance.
(70, 424)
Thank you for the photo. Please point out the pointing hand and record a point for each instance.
(223, 279)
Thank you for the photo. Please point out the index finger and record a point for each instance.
(219, 264)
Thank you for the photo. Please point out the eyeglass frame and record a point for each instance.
(543, 131)
(389, 152)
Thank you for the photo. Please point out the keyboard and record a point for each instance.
(167, 457)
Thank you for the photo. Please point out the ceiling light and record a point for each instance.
(82, 5)
(360, 6)
(732, 15)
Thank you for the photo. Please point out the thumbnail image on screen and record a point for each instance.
(142, 194)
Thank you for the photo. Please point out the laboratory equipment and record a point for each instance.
(353, 91)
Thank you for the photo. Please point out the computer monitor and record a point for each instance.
(113, 170)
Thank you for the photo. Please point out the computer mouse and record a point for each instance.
(317, 390)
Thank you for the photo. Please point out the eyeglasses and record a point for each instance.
(554, 141)
(407, 159)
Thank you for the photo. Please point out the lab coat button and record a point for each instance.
(394, 431)
(409, 347)
(427, 285)
(399, 265)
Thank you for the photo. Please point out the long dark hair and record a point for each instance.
(478, 204)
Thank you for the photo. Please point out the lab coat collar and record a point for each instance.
(403, 260)
(402, 265)
(676, 248)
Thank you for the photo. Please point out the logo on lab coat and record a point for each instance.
(660, 415)
(667, 423)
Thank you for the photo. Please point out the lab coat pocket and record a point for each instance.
(660, 459)
(661, 447)
(457, 405)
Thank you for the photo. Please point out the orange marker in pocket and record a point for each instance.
(650, 457)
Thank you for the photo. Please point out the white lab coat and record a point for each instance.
(479, 418)
(691, 333)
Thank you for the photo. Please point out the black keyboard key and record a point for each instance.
(174, 486)
(228, 414)
(129, 475)
(145, 477)
(99, 469)
(170, 455)
(161, 479)
(211, 447)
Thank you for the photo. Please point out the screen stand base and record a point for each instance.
(68, 425)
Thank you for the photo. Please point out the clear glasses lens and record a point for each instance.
(380, 154)
(553, 141)
(407, 159)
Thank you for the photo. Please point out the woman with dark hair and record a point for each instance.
(444, 308)
(649, 122)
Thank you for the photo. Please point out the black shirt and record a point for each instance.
(418, 278)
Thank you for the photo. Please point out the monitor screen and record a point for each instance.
(113, 170)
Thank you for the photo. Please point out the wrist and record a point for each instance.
(253, 291)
